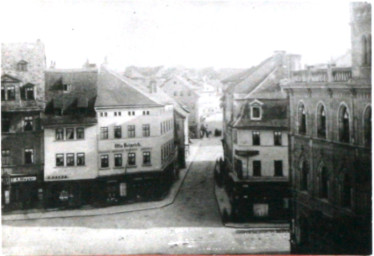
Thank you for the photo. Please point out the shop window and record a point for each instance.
(118, 160)
(70, 159)
(22, 65)
(131, 160)
(104, 161)
(5, 157)
(256, 168)
(256, 138)
(27, 123)
(321, 121)
(344, 124)
(81, 161)
(11, 93)
(104, 133)
(278, 168)
(367, 126)
(302, 119)
(59, 134)
(146, 158)
(2, 93)
(80, 133)
(277, 138)
(146, 130)
(5, 124)
(260, 210)
(59, 159)
(117, 132)
(131, 131)
(304, 175)
(324, 183)
(70, 133)
(346, 191)
(29, 156)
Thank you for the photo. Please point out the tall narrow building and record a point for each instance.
(330, 150)
(22, 103)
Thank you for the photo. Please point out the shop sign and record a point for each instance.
(127, 145)
(60, 177)
(22, 179)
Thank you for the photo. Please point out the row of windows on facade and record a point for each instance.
(71, 159)
(28, 124)
(117, 131)
(8, 93)
(129, 113)
(343, 123)
(118, 159)
(257, 169)
(70, 133)
(256, 138)
(166, 150)
(28, 156)
(181, 93)
(324, 184)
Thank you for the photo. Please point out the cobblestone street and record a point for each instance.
(191, 225)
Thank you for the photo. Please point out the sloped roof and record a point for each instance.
(115, 90)
(237, 77)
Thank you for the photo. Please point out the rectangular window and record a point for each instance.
(118, 160)
(131, 160)
(104, 161)
(59, 159)
(11, 93)
(59, 134)
(80, 159)
(146, 130)
(146, 158)
(278, 168)
(27, 123)
(117, 132)
(277, 138)
(30, 93)
(80, 133)
(256, 138)
(5, 157)
(256, 113)
(5, 124)
(29, 156)
(70, 159)
(256, 168)
(131, 131)
(2, 93)
(70, 133)
(104, 133)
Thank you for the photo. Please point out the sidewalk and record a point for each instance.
(225, 210)
(168, 200)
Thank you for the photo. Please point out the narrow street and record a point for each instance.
(191, 225)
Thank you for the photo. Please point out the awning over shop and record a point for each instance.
(246, 153)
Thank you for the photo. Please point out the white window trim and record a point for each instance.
(256, 118)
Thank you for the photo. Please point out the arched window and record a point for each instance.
(346, 191)
(364, 50)
(321, 121)
(343, 124)
(367, 126)
(302, 119)
(324, 183)
(304, 175)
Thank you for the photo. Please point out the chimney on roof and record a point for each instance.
(87, 64)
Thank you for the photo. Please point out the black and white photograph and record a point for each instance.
(186, 127)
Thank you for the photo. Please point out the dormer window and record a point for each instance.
(22, 66)
(67, 87)
(256, 110)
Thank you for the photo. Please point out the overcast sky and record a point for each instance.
(235, 34)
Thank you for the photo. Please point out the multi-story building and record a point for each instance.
(70, 136)
(187, 95)
(255, 142)
(22, 102)
(136, 152)
(330, 150)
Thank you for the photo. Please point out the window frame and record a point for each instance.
(57, 133)
(5, 157)
(66, 133)
(104, 157)
(28, 150)
(146, 130)
(11, 93)
(277, 138)
(256, 106)
(256, 168)
(60, 156)
(278, 172)
(104, 135)
(79, 130)
(117, 132)
(79, 155)
(131, 131)
(256, 134)
(70, 159)
(28, 120)
(147, 156)
(131, 159)
(118, 156)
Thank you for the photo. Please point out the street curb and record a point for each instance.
(167, 202)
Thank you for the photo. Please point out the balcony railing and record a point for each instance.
(330, 74)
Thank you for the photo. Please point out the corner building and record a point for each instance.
(330, 150)
(136, 152)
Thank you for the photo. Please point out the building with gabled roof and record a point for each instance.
(136, 147)
(22, 104)
(255, 142)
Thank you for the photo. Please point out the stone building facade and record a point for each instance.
(22, 103)
(330, 150)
